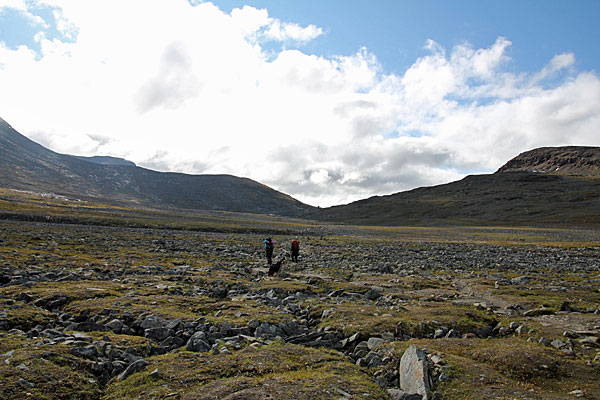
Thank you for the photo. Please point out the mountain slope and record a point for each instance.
(514, 197)
(26, 165)
(567, 160)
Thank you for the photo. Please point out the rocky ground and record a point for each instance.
(96, 311)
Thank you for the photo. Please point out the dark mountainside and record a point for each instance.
(107, 160)
(550, 186)
(26, 165)
(547, 186)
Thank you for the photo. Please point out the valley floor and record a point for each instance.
(104, 303)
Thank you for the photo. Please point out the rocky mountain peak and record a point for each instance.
(567, 160)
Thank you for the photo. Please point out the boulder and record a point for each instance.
(157, 334)
(115, 325)
(374, 342)
(372, 294)
(414, 372)
(198, 343)
(133, 367)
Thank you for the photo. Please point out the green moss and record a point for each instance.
(34, 370)
(282, 368)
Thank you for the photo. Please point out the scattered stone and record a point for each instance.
(414, 372)
(397, 394)
(590, 341)
(567, 307)
(198, 343)
(374, 342)
(521, 330)
(132, 368)
(538, 311)
(372, 294)
(22, 367)
(453, 333)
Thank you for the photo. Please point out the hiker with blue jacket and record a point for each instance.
(269, 250)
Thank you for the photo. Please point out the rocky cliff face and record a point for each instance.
(569, 160)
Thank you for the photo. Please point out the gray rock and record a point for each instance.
(27, 384)
(89, 327)
(436, 359)
(567, 307)
(155, 374)
(82, 336)
(453, 333)
(372, 294)
(157, 334)
(198, 343)
(172, 342)
(115, 325)
(374, 342)
(354, 337)
(538, 311)
(22, 367)
(414, 372)
(361, 362)
(440, 333)
(559, 344)
(373, 360)
(590, 341)
(24, 297)
(153, 322)
(132, 368)
(88, 351)
(268, 331)
(174, 325)
(513, 325)
(484, 331)
(521, 330)
(520, 280)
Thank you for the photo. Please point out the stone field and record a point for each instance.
(119, 304)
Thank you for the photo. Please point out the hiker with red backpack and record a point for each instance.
(269, 250)
(294, 250)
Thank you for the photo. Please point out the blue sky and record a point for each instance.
(397, 30)
(328, 101)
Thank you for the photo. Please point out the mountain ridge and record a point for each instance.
(26, 165)
(550, 186)
(519, 193)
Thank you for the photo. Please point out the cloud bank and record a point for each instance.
(189, 88)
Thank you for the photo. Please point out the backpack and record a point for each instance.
(268, 244)
(295, 244)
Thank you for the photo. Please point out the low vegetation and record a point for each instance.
(512, 312)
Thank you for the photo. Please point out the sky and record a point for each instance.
(327, 101)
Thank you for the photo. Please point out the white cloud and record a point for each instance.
(15, 4)
(284, 32)
(193, 89)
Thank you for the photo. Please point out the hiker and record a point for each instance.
(294, 250)
(269, 250)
